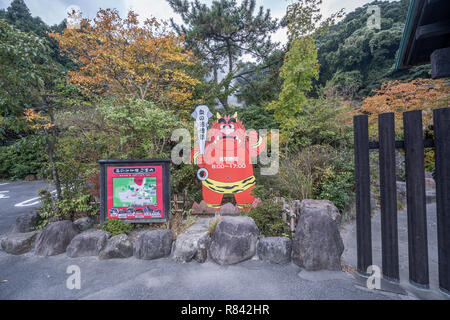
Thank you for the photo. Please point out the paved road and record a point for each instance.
(349, 236)
(13, 197)
(33, 277)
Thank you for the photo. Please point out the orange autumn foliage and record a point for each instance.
(398, 97)
(124, 58)
(37, 119)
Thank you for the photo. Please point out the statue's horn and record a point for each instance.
(218, 116)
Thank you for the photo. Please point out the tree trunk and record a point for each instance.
(51, 140)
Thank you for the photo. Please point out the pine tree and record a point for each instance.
(19, 15)
(223, 33)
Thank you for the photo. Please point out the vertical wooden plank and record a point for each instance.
(102, 194)
(362, 179)
(415, 199)
(388, 193)
(442, 158)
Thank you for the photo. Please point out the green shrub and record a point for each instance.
(267, 217)
(26, 156)
(317, 172)
(213, 225)
(71, 206)
(338, 181)
(184, 177)
(116, 227)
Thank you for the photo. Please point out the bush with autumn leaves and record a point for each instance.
(402, 96)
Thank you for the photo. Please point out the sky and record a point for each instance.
(54, 11)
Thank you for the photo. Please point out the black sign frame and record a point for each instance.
(164, 163)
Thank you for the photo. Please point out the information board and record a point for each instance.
(135, 190)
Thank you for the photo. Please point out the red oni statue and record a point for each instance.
(227, 160)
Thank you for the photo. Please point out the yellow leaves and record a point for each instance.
(123, 58)
(399, 97)
(37, 120)
(31, 116)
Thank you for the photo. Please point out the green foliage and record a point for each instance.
(256, 117)
(260, 83)
(300, 174)
(213, 225)
(137, 129)
(19, 16)
(315, 172)
(184, 177)
(321, 121)
(116, 227)
(76, 162)
(22, 56)
(73, 205)
(346, 83)
(298, 71)
(338, 180)
(362, 57)
(267, 216)
(26, 156)
(260, 191)
(304, 18)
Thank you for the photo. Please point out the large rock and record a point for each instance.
(275, 249)
(55, 238)
(27, 222)
(153, 244)
(234, 240)
(84, 223)
(87, 244)
(19, 243)
(315, 206)
(117, 247)
(229, 209)
(192, 245)
(202, 208)
(317, 244)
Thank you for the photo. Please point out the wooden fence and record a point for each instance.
(413, 146)
(179, 203)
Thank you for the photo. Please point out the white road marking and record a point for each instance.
(28, 203)
(2, 184)
(4, 196)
